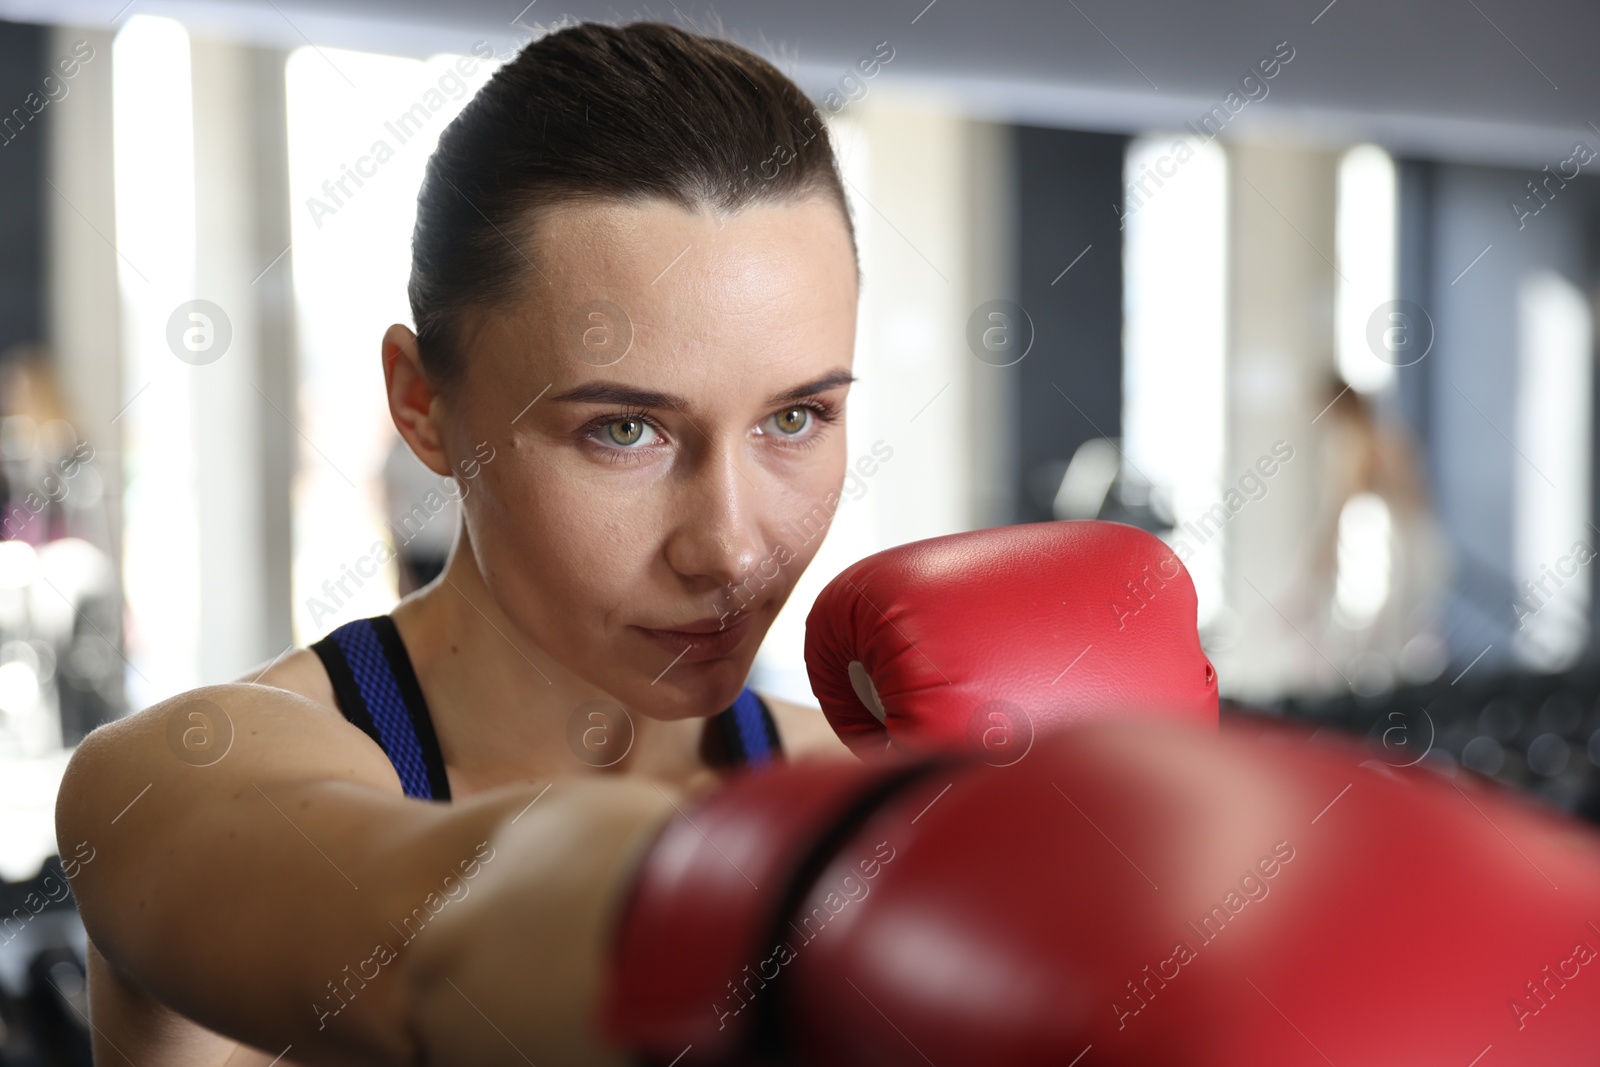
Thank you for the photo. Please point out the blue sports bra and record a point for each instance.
(377, 690)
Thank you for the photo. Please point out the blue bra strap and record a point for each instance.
(753, 730)
(377, 690)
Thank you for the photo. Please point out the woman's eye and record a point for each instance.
(625, 433)
(792, 421)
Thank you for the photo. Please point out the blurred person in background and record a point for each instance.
(59, 621)
(1377, 562)
(41, 457)
(60, 677)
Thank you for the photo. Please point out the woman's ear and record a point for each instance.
(413, 401)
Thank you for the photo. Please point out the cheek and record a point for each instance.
(800, 514)
(546, 537)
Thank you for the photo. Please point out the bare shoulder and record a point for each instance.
(260, 720)
(240, 732)
(300, 672)
(805, 730)
(189, 814)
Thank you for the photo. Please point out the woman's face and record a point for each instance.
(667, 412)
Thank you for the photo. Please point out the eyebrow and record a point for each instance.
(604, 392)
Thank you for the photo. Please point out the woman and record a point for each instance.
(634, 334)
(1374, 523)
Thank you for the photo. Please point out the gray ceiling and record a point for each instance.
(1493, 80)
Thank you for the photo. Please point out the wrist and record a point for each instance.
(711, 891)
(512, 973)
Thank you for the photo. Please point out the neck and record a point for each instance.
(502, 707)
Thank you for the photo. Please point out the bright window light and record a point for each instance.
(1174, 299)
(1551, 489)
(153, 138)
(361, 127)
(1366, 221)
(1364, 563)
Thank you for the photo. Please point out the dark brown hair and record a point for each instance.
(626, 113)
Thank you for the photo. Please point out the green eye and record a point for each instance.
(632, 430)
(793, 420)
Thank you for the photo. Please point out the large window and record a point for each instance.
(1366, 225)
(1552, 537)
(1175, 333)
(154, 173)
(361, 127)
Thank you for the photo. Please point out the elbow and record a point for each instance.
(76, 844)
(69, 814)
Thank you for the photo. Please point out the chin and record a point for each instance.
(692, 690)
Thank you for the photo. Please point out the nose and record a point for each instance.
(714, 539)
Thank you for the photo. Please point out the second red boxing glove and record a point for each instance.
(1131, 893)
(975, 640)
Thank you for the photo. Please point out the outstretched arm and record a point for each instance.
(285, 893)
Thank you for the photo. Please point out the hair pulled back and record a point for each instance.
(594, 112)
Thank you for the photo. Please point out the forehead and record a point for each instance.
(656, 246)
(691, 293)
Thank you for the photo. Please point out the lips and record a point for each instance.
(706, 641)
(714, 624)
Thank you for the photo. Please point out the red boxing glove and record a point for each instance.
(1131, 893)
(700, 926)
(1138, 892)
(975, 640)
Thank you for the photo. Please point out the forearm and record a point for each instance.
(515, 972)
(321, 967)
(446, 865)
(287, 894)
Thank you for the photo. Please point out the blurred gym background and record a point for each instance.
(1308, 289)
